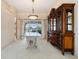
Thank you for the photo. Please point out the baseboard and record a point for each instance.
(7, 44)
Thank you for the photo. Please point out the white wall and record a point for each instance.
(19, 28)
(46, 29)
(76, 27)
(7, 24)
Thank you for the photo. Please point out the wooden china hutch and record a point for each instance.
(61, 27)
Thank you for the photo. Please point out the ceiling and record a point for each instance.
(41, 6)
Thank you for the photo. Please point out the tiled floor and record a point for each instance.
(44, 50)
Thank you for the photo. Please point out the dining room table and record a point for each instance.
(31, 38)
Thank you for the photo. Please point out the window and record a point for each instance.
(33, 27)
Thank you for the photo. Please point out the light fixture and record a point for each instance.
(33, 16)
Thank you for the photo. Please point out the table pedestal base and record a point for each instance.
(31, 42)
